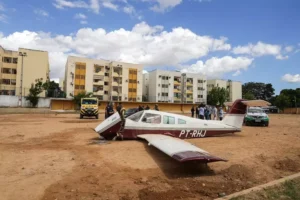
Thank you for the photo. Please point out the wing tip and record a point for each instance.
(196, 156)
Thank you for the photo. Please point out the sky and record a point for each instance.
(247, 41)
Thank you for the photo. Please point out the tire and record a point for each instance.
(81, 116)
(267, 124)
(97, 116)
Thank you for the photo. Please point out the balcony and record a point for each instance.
(10, 65)
(100, 82)
(116, 83)
(176, 90)
(176, 83)
(9, 76)
(100, 92)
(189, 91)
(189, 83)
(117, 74)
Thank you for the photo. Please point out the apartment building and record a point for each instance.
(174, 87)
(234, 87)
(108, 80)
(14, 79)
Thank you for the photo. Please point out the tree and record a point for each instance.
(34, 92)
(77, 98)
(249, 96)
(217, 96)
(282, 101)
(259, 90)
(53, 90)
(294, 96)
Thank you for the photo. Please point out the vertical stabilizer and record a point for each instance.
(236, 114)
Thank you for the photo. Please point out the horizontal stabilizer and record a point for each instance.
(178, 149)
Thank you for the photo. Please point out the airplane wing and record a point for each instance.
(178, 149)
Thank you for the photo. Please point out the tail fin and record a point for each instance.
(236, 114)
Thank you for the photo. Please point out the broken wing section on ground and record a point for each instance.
(179, 149)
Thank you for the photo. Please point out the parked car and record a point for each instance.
(131, 111)
(256, 116)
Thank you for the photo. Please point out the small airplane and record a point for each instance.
(165, 131)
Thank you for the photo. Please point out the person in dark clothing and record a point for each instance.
(140, 108)
(109, 110)
(197, 111)
(119, 107)
(147, 108)
(156, 107)
(193, 111)
(206, 113)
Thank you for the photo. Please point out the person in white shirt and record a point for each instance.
(214, 113)
(201, 112)
(221, 113)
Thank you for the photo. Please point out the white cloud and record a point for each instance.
(95, 6)
(83, 22)
(110, 5)
(238, 72)
(163, 5)
(148, 45)
(145, 72)
(60, 4)
(3, 18)
(281, 57)
(291, 78)
(41, 12)
(216, 67)
(129, 9)
(259, 49)
(80, 16)
(289, 49)
(1, 7)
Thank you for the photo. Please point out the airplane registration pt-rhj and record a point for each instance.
(165, 131)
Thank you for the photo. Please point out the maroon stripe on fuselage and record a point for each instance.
(133, 133)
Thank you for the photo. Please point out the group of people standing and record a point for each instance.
(207, 112)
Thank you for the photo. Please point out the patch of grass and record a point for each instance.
(289, 190)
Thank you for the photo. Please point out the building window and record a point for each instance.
(5, 81)
(82, 76)
(14, 71)
(200, 96)
(97, 68)
(105, 83)
(13, 81)
(132, 81)
(105, 92)
(77, 87)
(15, 60)
(164, 94)
(6, 59)
(106, 74)
(164, 85)
(115, 98)
(6, 70)
(181, 121)
(82, 87)
(200, 81)
(169, 120)
(77, 76)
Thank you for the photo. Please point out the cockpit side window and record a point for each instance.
(136, 116)
(151, 118)
(181, 121)
(169, 120)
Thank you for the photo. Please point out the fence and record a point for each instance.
(291, 111)
(68, 104)
(13, 101)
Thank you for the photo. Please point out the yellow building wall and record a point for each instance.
(132, 84)
(35, 66)
(80, 73)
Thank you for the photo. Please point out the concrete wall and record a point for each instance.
(13, 101)
(291, 111)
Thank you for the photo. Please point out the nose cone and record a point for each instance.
(109, 127)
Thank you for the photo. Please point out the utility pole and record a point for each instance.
(22, 54)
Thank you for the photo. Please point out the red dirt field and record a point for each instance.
(60, 157)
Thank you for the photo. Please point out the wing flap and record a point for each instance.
(178, 149)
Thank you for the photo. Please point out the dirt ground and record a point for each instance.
(48, 156)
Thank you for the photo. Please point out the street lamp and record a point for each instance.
(22, 54)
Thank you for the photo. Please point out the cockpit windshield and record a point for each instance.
(136, 116)
(255, 110)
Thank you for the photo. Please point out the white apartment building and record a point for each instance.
(108, 80)
(174, 87)
(234, 87)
